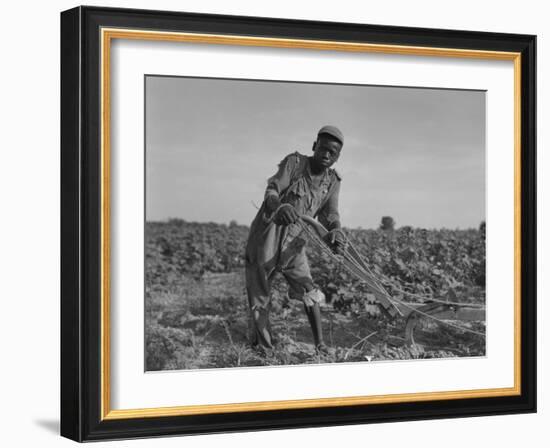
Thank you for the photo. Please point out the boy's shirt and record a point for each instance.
(310, 195)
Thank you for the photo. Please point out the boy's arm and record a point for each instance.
(330, 218)
(277, 183)
(329, 215)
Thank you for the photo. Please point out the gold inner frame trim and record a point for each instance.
(107, 35)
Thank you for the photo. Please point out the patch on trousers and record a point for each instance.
(314, 296)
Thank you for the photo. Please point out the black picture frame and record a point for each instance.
(81, 224)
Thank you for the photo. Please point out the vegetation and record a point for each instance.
(197, 312)
(387, 223)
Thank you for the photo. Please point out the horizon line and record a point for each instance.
(228, 223)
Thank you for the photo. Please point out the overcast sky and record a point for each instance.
(417, 155)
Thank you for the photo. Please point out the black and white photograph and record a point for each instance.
(291, 223)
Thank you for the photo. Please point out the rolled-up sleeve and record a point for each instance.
(329, 215)
(277, 183)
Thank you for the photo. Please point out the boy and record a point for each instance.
(302, 186)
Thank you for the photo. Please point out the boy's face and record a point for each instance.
(326, 151)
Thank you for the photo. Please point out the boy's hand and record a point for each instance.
(272, 202)
(286, 215)
(337, 239)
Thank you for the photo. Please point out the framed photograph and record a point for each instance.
(274, 223)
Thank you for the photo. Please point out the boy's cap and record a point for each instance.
(332, 130)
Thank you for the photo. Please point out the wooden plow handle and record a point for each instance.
(355, 264)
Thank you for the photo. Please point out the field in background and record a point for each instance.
(197, 313)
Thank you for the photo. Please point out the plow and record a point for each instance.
(414, 311)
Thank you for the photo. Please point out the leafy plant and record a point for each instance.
(197, 312)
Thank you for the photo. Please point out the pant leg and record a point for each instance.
(298, 275)
(258, 283)
(301, 287)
